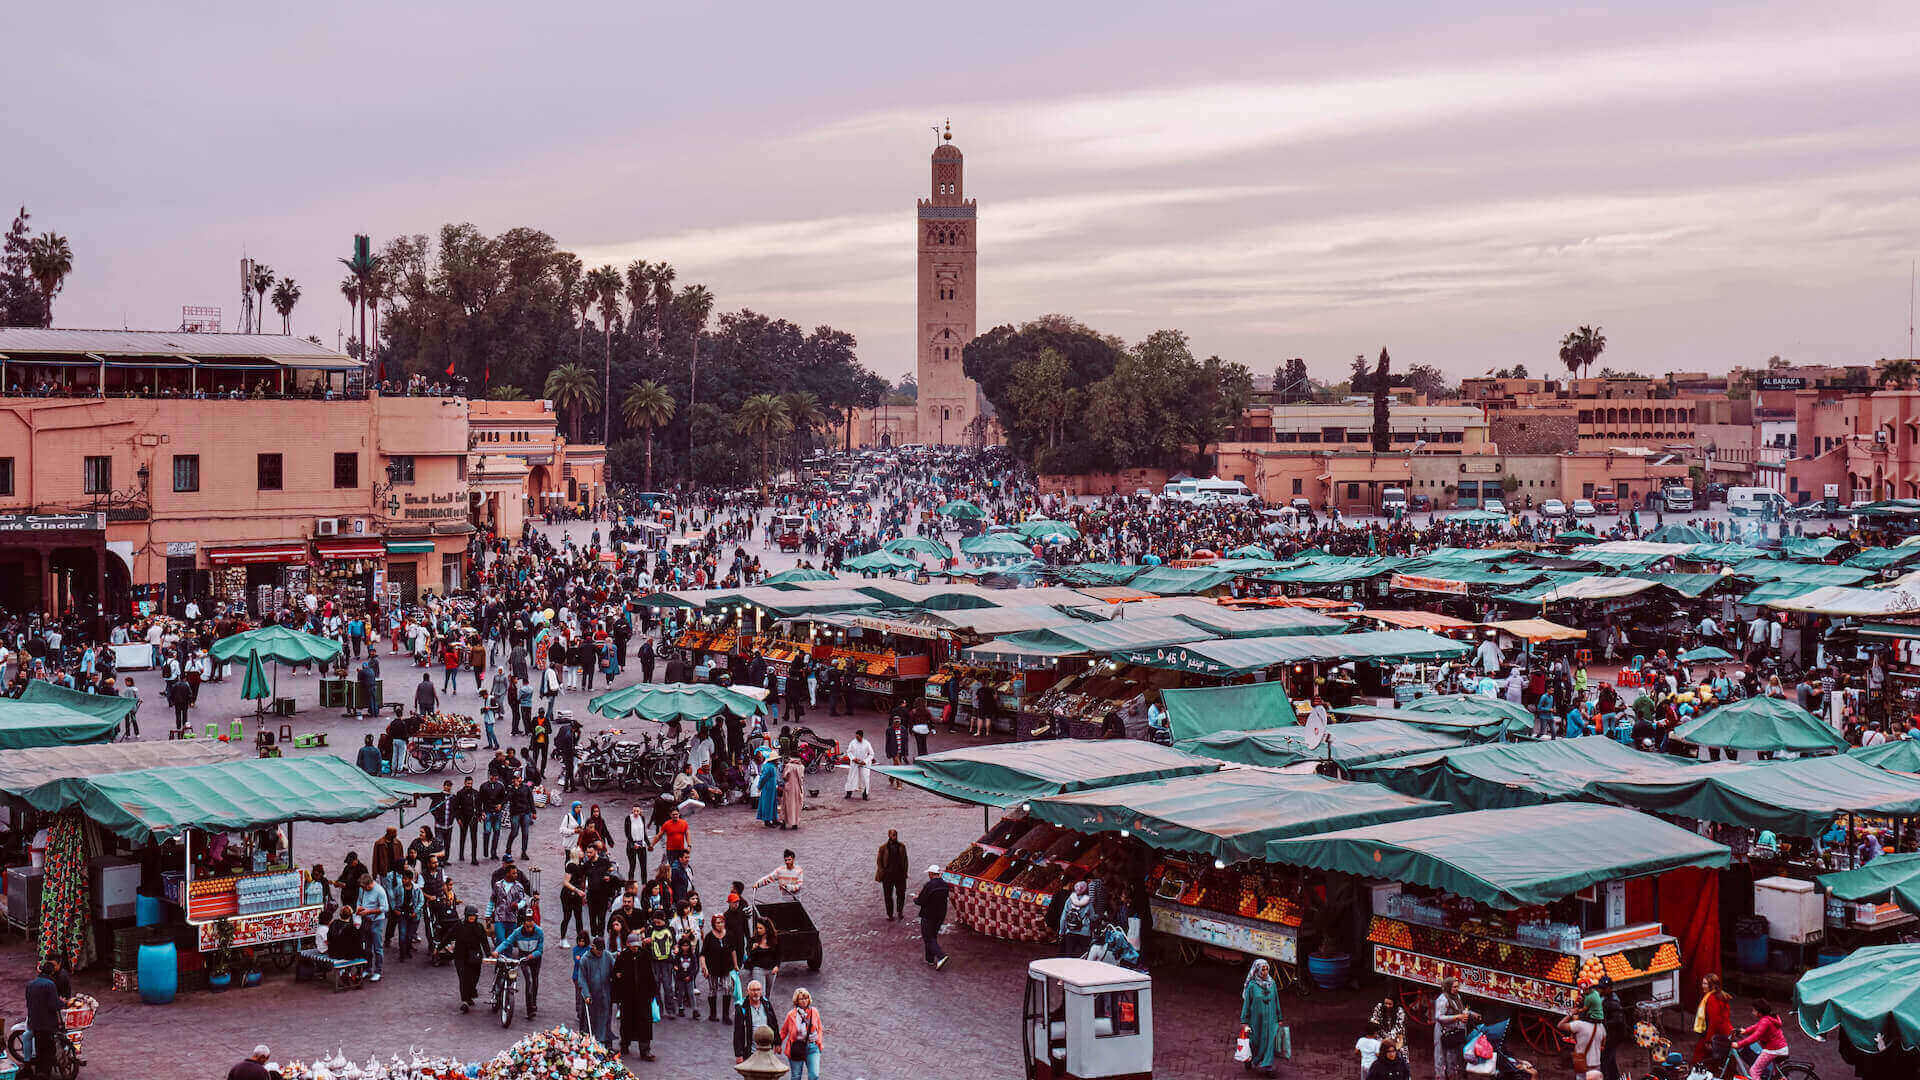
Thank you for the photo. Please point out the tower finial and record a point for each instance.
(948, 135)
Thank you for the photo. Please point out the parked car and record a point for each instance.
(1678, 498)
(1421, 504)
(1818, 509)
(1301, 503)
(1604, 500)
(1553, 508)
(1716, 493)
(1494, 506)
(1584, 508)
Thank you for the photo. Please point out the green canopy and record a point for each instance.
(795, 576)
(1247, 655)
(24, 770)
(1706, 654)
(1249, 551)
(666, 702)
(1576, 536)
(277, 643)
(1114, 635)
(1010, 773)
(1180, 580)
(49, 715)
(1760, 723)
(1094, 573)
(1202, 711)
(1887, 879)
(1040, 528)
(1333, 570)
(1506, 775)
(993, 544)
(961, 508)
(1800, 573)
(1888, 508)
(1229, 815)
(1898, 755)
(695, 601)
(254, 686)
(1476, 517)
(879, 562)
(1691, 586)
(1678, 534)
(1794, 798)
(1777, 590)
(1813, 548)
(1516, 858)
(788, 603)
(1873, 997)
(907, 545)
(1881, 558)
(1722, 553)
(154, 804)
(1348, 744)
(1477, 715)
(1259, 622)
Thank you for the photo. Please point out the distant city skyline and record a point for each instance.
(1713, 185)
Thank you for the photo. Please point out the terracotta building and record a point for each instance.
(1867, 443)
(523, 466)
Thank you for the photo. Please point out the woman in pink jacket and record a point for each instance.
(1765, 1032)
(802, 1037)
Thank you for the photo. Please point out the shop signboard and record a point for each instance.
(47, 523)
(1416, 583)
(262, 929)
(1475, 981)
(1277, 943)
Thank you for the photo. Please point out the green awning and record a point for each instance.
(961, 508)
(1229, 622)
(1897, 755)
(49, 715)
(1532, 594)
(1890, 630)
(1813, 548)
(797, 575)
(1777, 590)
(786, 603)
(987, 544)
(1045, 528)
(1800, 573)
(1010, 773)
(154, 804)
(1678, 534)
(1180, 580)
(1872, 996)
(1229, 815)
(1483, 718)
(1721, 553)
(1526, 857)
(1707, 654)
(667, 702)
(1891, 879)
(1794, 798)
(282, 643)
(684, 599)
(1692, 586)
(23, 770)
(1244, 656)
(409, 547)
(908, 545)
(879, 562)
(1881, 558)
(1093, 573)
(1114, 635)
(1349, 744)
(1760, 723)
(1333, 570)
(1518, 774)
(1245, 706)
(1576, 536)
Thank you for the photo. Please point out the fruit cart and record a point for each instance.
(1214, 910)
(1004, 883)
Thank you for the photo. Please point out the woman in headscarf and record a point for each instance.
(769, 809)
(793, 778)
(1260, 1013)
(1076, 922)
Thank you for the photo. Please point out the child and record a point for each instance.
(686, 967)
(1368, 1047)
(660, 950)
(1765, 1031)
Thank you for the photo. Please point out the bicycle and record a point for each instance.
(1737, 1067)
(506, 980)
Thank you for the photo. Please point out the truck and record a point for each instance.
(1606, 500)
(1677, 497)
(1393, 501)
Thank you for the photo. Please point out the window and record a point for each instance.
(402, 466)
(6, 476)
(1353, 491)
(460, 467)
(1359, 436)
(1121, 1008)
(1298, 486)
(346, 470)
(1333, 434)
(268, 472)
(97, 475)
(186, 472)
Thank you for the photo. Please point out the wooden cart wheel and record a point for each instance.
(1190, 953)
(1417, 1003)
(1538, 1034)
(282, 959)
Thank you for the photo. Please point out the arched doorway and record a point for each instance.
(537, 484)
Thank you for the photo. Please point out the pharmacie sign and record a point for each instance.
(441, 506)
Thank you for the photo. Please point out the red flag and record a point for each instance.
(449, 367)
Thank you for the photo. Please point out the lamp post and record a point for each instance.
(763, 1064)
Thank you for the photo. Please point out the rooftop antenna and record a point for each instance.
(936, 134)
(1910, 269)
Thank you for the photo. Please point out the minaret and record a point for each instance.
(949, 401)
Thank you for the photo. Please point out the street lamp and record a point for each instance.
(764, 1064)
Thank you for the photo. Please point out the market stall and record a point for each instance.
(1364, 662)
(1872, 999)
(1347, 745)
(1882, 895)
(1196, 712)
(1520, 905)
(1506, 775)
(279, 644)
(1759, 725)
(887, 659)
(49, 715)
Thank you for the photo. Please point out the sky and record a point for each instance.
(1712, 184)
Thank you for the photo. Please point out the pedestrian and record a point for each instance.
(45, 1025)
(493, 804)
(635, 827)
(768, 808)
(763, 952)
(1260, 1015)
(1076, 922)
(593, 978)
(1392, 1063)
(408, 904)
(373, 906)
(1450, 1019)
(442, 820)
(425, 700)
(717, 970)
(1712, 1021)
(131, 726)
(1585, 1037)
(686, 970)
(1765, 1035)
(802, 1037)
(573, 898)
(890, 870)
(793, 780)
(920, 724)
(369, 759)
(932, 902)
(899, 750)
(489, 716)
(180, 696)
(520, 807)
(1367, 1046)
(860, 758)
(634, 989)
(755, 1012)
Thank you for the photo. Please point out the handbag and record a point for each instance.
(1453, 1039)
(1243, 1045)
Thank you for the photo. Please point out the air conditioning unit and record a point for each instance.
(326, 527)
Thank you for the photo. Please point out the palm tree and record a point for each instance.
(49, 261)
(763, 418)
(805, 414)
(647, 406)
(378, 280)
(571, 387)
(350, 290)
(639, 286)
(364, 292)
(696, 303)
(1581, 348)
(662, 298)
(1901, 373)
(285, 295)
(262, 281)
(506, 392)
(567, 269)
(604, 284)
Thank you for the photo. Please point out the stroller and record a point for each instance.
(1497, 1063)
(440, 922)
(1111, 945)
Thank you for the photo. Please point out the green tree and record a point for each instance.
(1900, 374)
(647, 406)
(604, 283)
(1357, 382)
(696, 307)
(350, 292)
(805, 415)
(20, 301)
(1581, 347)
(263, 279)
(567, 271)
(506, 392)
(50, 260)
(573, 388)
(1043, 402)
(285, 295)
(1382, 417)
(1429, 380)
(762, 418)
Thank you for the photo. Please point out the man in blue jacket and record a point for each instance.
(528, 943)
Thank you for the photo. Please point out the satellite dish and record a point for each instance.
(1316, 729)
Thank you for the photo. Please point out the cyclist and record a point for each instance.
(526, 944)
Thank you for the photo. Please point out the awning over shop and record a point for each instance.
(1506, 775)
(1595, 588)
(798, 575)
(1721, 553)
(1813, 548)
(1409, 619)
(1012, 773)
(48, 715)
(354, 548)
(1247, 655)
(681, 600)
(787, 602)
(1678, 534)
(1333, 571)
(1538, 630)
(1229, 622)
(1691, 586)
(994, 621)
(1639, 547)
(1887, 879)
(1093, 573)
(1761, 723)
(1881, 558)
(1800, 573)
(1795, 798)
(1508, 858)
(154, 804)
(1114, 635)
(1837, 600)
(1229, 815)
(1762, 595)
(668, 702)
(23, 770)
(283, 552)
(1201, 711)
(409, 547)
(1898, 755)
(1348, 744)
(1872, 996)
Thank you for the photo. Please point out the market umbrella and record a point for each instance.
(277, 643)
(1046, 527)
(907, 545)
(666, 702)
(1889, 878)
(1896, 755)
(961, 508)
(1576, 536)
(795, 576)
(254, 687)
(1705, 654)
(1249, 551)
(1760, 723)
(1678, 534)
(1873, 996)
(993, 544)
(1476, 517)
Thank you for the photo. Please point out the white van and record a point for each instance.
(1393, 500)
(1755, 502)
(1180, 490)
(1220, 491)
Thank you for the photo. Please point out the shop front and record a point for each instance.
(55, 564)
(346, 568)
(258, 578)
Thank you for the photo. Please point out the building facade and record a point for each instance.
(948, 240)
(523, 466)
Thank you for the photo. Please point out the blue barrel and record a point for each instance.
(148, 910)
(1328, 972)
(1830, 954)
(159, 973)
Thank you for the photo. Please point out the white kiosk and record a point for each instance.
(1085, 1020)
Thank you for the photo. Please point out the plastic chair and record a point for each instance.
(213, 729)
(237, 729)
